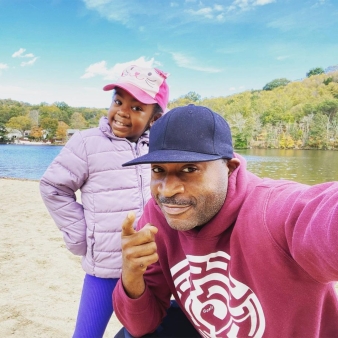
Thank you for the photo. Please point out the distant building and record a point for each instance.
(13, 133)
(71, 132)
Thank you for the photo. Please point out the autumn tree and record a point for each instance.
(61, 132)
(77, 121)
(36, 133)
(21, 123)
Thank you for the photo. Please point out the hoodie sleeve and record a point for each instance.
(303, 221)
(143, 315)
(65, 175)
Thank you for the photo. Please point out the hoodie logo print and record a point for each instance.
(218, 304)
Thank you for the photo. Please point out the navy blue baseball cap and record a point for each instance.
(188, 134)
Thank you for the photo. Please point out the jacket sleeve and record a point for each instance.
(143, 315)
(304, 223)
(65, 175)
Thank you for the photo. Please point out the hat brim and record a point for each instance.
(172, 156)
(139, 94)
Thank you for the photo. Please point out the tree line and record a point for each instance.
(44, 121)
(284, 114)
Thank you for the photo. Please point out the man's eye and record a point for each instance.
(189, 169)
(156, 169)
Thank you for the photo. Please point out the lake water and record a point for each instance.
(305, 166)
(26, 161)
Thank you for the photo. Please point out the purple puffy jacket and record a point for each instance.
(92, 162)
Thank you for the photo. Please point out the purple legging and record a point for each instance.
(96, 307)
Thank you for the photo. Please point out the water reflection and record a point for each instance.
(305, 166)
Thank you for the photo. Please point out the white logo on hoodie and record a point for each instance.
(218, 304)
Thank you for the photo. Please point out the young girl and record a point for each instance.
(92, 162)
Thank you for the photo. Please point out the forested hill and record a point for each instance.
(300, 114)
(284, 114)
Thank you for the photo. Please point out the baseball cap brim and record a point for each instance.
(138, 93)
(172, 156)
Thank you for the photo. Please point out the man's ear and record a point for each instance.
(156, 117)
(233, 164)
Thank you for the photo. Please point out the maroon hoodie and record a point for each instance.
(264, 266)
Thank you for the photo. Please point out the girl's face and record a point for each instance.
(128, 117)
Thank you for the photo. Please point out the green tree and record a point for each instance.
(315, 71)
(184, 100)
(50, 125)
(328, 107)
(63, 106)
(77, 121)
(3, 132)
(53, 112)
(318, 133)
(276, 83)
(21, 123)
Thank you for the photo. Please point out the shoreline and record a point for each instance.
(41, 279)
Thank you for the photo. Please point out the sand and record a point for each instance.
(41, 280)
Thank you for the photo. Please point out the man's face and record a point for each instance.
(189, 194)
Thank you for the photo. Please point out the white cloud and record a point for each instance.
(184, 61)
(208, 12)
(3, 66)
(28, 63)
(282, 57)
(101, 69)
(262, 2)
(19, 54)
(248, 4)
(319, 3)
(119, 11)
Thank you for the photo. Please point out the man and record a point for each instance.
(242, 256)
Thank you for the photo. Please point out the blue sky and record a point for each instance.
(67, 50)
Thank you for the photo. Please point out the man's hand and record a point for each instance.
(138, 251)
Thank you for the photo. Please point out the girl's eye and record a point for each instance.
(137, 109)
(117, 102)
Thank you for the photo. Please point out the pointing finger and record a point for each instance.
(127, 226)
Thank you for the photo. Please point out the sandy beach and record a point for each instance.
(41, 280)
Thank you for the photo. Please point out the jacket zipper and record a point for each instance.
(139, 170)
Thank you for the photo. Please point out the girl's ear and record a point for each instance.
(156, 117)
